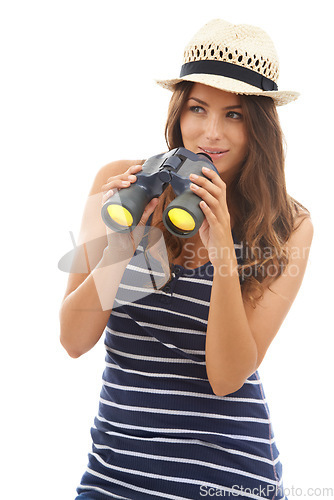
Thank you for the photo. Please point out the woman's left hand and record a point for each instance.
(215, 232)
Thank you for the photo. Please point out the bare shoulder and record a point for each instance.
(303, 229)
(111, 169)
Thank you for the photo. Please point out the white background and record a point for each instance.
(78, 91)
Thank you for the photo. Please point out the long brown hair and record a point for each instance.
(266, 213)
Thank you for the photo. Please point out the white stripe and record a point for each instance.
(185, 431)
(144, 270)
(136, 488)
(182, 349)
(254, 382)
(147, 338)
(164, 411)
(152, 358)
(149, 374)
(183, 479)
(172, 346)
(156, 326)
(195, 280)
(168, 375)
(160, 292)
(191, 299)
(210, 465)
(183, 393)
(196, 442)
(116, 333)
(152, 308)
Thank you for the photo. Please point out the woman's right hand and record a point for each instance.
(128, 240)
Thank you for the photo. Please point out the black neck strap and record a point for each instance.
(223, 68)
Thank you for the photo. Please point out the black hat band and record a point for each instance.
(230, 70)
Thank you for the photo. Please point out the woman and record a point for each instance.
(182, 410)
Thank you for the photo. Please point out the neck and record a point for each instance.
(231, 208)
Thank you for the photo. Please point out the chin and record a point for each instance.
(226, 174)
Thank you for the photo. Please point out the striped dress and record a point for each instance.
(161, 432)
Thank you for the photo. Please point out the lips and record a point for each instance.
(216, 153)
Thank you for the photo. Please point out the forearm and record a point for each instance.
(231, 351)
(85, 312)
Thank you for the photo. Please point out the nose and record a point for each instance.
(213, 130)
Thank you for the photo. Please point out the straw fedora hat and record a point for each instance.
(236, 58)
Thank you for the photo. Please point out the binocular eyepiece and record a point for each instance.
(183, 216)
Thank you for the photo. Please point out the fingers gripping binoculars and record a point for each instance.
(183, 216)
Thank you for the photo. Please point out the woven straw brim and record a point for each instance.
(280, 97)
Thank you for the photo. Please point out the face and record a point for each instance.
(212, 122)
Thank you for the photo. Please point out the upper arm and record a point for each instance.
(92, 239)
(266, 319)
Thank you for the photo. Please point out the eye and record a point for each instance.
(234, 115)
(196, 109)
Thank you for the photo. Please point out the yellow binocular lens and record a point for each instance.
(120, 215)
(181, 219)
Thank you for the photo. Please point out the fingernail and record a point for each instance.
(205, 169)
(109, 193)
(193, 176)
(125, 183)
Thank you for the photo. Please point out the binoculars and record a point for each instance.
(183, 216)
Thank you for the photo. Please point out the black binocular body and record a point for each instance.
(183, 216)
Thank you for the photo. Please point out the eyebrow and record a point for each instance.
(205, 104)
